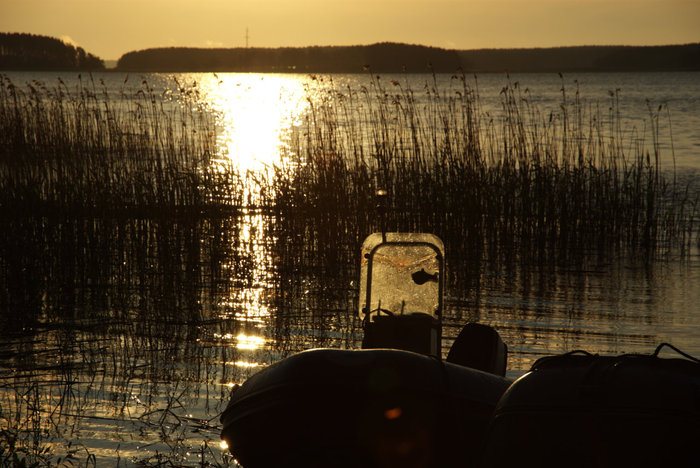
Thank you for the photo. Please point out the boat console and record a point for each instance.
(401, 290)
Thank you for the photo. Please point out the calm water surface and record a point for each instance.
(127, 375)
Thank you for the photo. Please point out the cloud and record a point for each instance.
(69, 40)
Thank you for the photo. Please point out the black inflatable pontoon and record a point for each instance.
(377, 407)
(584, 410)
(363, 408)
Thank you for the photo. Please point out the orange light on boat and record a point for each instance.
(393, 413)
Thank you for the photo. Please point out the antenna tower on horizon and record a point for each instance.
(246, 38)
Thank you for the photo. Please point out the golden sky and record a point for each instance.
(109, 28)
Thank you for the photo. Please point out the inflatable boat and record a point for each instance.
(585, 410)
(364, 408)
(396, 403)
(393, 403)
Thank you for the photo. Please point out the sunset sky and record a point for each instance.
(110, 28)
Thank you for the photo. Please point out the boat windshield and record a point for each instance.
(401, 274)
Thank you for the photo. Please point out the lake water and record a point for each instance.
(129, 374)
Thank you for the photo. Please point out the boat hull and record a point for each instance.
(370, 408)
(582, 410)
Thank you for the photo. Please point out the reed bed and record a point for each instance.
(525, 185)
(120, 237)
(87, 177)
(94, 154)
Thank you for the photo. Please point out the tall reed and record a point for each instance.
(86, 151)
(524, 184)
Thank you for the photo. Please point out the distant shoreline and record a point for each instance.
(395, 58)
(25, 52)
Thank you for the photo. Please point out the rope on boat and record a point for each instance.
(684, 354)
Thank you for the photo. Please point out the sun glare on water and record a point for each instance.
(254, 115)
(249, 342)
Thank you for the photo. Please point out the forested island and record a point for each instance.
(19, 51)
(393, 57)
(380, 58)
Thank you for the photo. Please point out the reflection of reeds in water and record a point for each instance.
(521, 186)
(119, 239)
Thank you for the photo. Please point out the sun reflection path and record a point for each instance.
(247, 304)
(255, 114)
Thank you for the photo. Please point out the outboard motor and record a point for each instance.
(480, 347)
(401, 289)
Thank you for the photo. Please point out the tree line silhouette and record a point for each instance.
(684, 57)
(380, 58)
(393, 57)
(20, 51)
